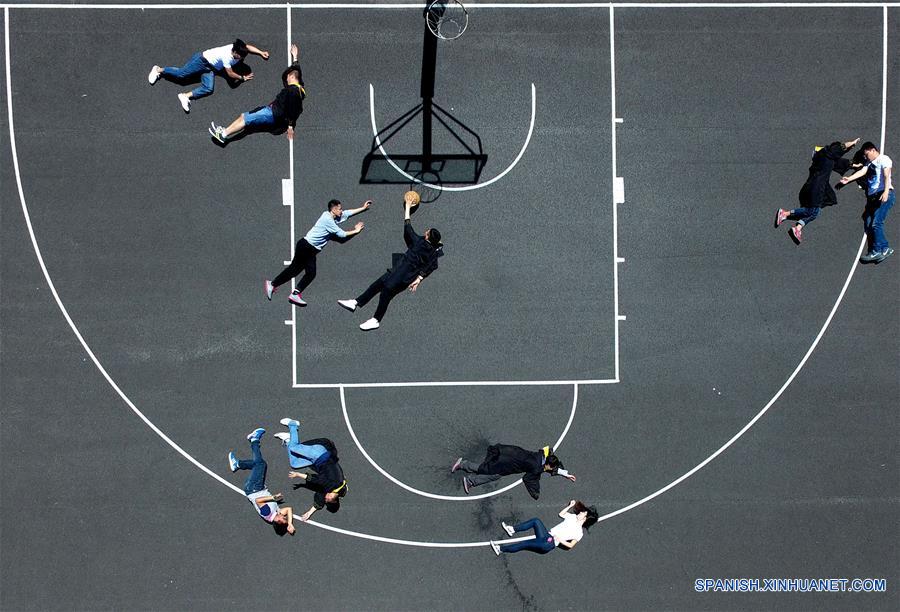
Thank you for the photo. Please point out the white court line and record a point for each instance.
(336, 529)
(448, 497)
(293, 207)
(884, 69)
(464, 187)
(460, 383)
(615, 177)
(470, 5)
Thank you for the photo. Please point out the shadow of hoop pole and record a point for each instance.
(435, 169)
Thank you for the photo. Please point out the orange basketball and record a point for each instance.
(412, 198)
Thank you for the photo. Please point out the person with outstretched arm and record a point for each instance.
(414, 266)
(265, 504)
(279, 114)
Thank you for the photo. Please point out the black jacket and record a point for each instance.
(328, 477)
(420, 259)
(288, 105)
(506, 459)
(817, 191)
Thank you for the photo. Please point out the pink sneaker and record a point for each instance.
(797, 233)
(269, 289)
(780, 216)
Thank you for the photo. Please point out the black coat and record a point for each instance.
(328, 476)
(420, 259)
(817, 191)
(506, 459)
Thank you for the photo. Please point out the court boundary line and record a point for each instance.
(471, 5)
(405, 486)
(203, 468)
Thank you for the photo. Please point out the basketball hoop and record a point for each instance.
(447, 19)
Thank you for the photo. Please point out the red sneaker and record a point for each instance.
(797, 233)
(780, 216)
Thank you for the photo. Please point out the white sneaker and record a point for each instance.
(348, 304)
(284, 436)
(294, 298)
(370, 324)
(495, 547)
(185, 102)
(288, 421)
(153, 77)
(269, 289)
(508, 529)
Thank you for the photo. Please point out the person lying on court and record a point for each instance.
(505, 460)
(206, 64)
(320, 455)
(816, 193)
(309, 247)
(410, 269)
(265, 504)
(279, 114)
(576, 519)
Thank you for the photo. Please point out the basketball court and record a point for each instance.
(604, 177)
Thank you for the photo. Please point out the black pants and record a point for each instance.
(304, 260)
(387, 290)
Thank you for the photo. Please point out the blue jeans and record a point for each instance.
(262, 117)
(194, 66)
(873, 220)
(804, 215)
(542, 542)
(256, 481)
(304, 455)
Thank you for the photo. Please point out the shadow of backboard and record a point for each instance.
(458, 169)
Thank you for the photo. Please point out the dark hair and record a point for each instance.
(240, 47)
(868, 146)
(333, 203)
(840, 145)
(592, 514)
(592, 517)
(434, 237)
(289, 70)
(552, 462)
(279, 528)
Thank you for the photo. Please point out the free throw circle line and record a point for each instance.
(403, 485)
(463, 187)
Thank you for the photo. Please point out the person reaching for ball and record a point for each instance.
(414, 266)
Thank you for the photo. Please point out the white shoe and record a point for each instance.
(153, 77)
(294, 298)
(508, 529)
(185, 102)
(269, 289)
(284, 436)
(348, 304)
(288, 421)
(495, 547)
(370, 324)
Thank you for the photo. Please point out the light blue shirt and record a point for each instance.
(326, 227)
(875, 176)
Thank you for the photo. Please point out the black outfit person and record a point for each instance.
(420, 259)
(506, 459)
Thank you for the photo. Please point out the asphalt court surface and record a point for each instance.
(157, 242)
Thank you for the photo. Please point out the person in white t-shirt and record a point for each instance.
(206, 64)
(576, 518)
(265, 504)
(878, 171)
